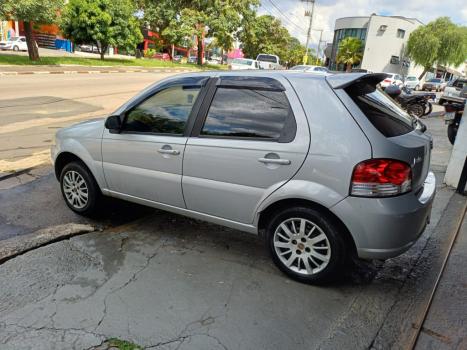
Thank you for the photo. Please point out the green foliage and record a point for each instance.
(350, 52)
(149, 53)
(41, 11)
(264, 34)
(439, 42)
(123, 344)
(103, 22)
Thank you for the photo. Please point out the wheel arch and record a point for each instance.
(65, 158)
(266, 214)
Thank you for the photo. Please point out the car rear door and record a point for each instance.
(145, 159)
(251, 136)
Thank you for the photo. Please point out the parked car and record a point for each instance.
(16, 43)
(88, 48)
(161, 56)
(267, 61)
(437, 84)
(412, 82)
(392, 79)
(177, 58)
(311, 69)
(243, 63)
(325, 167)
(455, 91)
(193, 59)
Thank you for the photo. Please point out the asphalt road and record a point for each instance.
(33, 107)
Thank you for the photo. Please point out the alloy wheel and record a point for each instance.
(75, 189)
(302, 246)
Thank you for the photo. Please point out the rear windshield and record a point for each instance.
(266, 58)
(381, 110)
(434, 81)
(240, 61)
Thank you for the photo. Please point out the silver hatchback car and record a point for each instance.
(325, 167)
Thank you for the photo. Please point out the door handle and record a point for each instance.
(169, 151)
(274, 161)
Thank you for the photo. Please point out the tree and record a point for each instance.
(29, 11)
(102, 22)
(180, 20)
(439, 42)
(264, 34)
(350, 52)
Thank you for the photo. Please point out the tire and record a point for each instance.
(441, 102)
(452, 132)
(77, 182)
(296, 255)
(15, 48)
(428, 109)
(416, 110)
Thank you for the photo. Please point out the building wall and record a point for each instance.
(381, 44)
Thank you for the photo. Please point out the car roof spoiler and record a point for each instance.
(344, 80)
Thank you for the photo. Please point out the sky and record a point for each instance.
(291, 13)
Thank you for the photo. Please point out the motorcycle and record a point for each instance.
(417, 105)
(452, 118)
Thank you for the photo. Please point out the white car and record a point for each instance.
(16, 43)
(412, 82)
(243, 63)
(392, 79)
(311, 69)
(267, 61)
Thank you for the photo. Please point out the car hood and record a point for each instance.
(92, 128)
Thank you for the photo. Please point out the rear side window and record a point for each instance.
(250, 113)
(381, 110)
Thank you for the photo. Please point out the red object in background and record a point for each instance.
(161, 56)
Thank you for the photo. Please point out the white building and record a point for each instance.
(384, 38)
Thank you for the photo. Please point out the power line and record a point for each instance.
(279, 14)
(282, 11)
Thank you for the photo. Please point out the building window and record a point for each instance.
(400, 33)
(395, 60)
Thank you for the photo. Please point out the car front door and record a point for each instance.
(144, 160)
(249, 141)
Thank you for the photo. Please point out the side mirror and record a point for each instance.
(113, 123)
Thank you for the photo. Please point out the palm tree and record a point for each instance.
(350, 52)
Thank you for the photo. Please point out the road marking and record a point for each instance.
(37, 158)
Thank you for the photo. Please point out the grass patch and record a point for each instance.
(123, 344)
(84, 61)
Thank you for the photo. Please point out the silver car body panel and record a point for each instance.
(221, 181)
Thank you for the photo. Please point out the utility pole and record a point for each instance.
(319, 45)
(308, 13)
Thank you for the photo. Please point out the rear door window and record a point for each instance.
(250, 113)
(381, 110)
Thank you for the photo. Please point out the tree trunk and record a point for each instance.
(200, 50)
(222, 55)
(349, 68)
(32, 48)
(423, 73)
(102, 50)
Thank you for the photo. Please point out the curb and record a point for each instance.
(19, 245)
(107, 71)
(15, 173)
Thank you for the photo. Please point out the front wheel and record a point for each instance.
(305, 244)
(452, 132)
(416, 110)
(15, 48)
(79, 189)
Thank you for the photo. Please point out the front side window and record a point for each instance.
(400, 33)
(250, 113)
(166, 112)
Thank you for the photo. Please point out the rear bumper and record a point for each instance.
(383, 228)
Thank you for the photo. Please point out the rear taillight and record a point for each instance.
(387, 80)
(381, 178)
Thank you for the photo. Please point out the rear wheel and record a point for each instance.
(79, 189)
(416, 110)
(305, 244)
(15, 48)
(452, 132)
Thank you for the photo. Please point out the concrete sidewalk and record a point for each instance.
(445, 326)
(77, 69)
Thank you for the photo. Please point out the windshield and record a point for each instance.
(14, 38)
(434, 81)
(240, 61)
(266, 58)
(411, 78)
(385, 115)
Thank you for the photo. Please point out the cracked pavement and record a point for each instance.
(168, 282)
